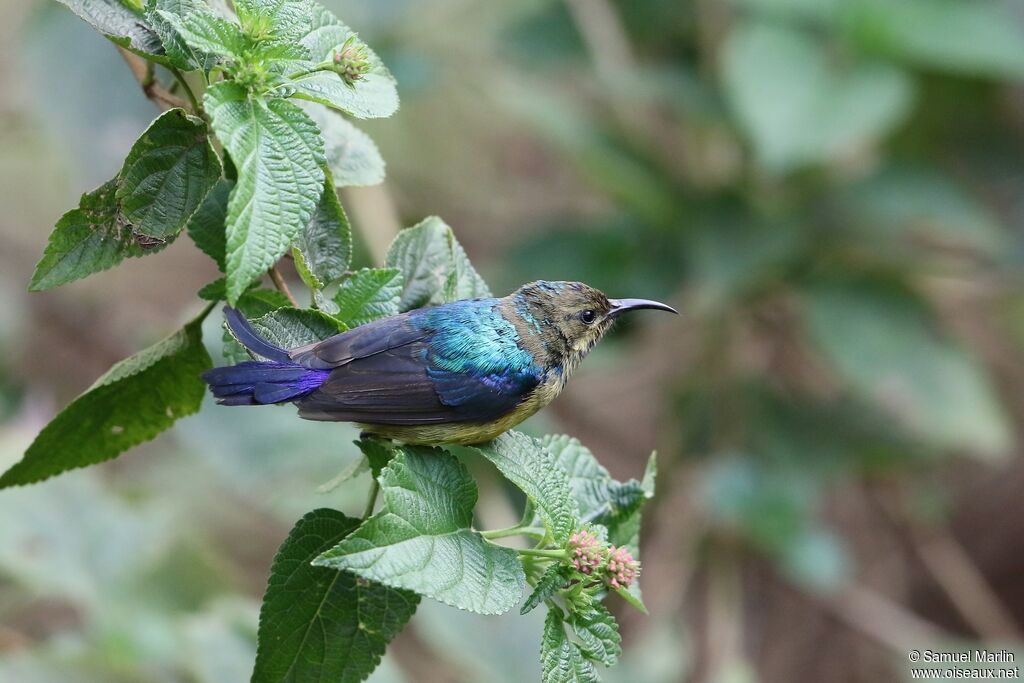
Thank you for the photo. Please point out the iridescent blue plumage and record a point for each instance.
(475, 355)
(458, 373)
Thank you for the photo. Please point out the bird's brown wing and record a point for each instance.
(381, 373)
(362, 342)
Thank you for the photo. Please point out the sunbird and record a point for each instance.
(458, 373)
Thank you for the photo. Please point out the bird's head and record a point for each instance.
(577, 313)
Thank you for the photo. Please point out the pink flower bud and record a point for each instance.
(585, 552)
(621, 569)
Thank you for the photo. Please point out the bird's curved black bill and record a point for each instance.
(620, 306)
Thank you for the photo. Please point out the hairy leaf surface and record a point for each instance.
(292, 327)
(167, 174)
(434, 265)
(85, 240)
(280, 160)
(368, 294)
(528, 464)
(321, 624)
(324, 247)
(560, 659)
(421, 539)
(119, 23)
(374, 95)
(205, 32)
(554, 578)
(178, 52)
(352, 155)
(206, 227)
(597, 635)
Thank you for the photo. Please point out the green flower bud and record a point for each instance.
(351, 60)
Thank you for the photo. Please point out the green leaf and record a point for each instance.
(798, 108)
(206, 227)
(119, 23)
(352, 154)
(178, 52)
(259, 301)
(280, 161)
(434, 265)
(601, 499)
(320, 624)
(289, 20)
(597, 635)
(204, 31)
(530, 466)
(289, 328)
(373, 96)
(368, 294)
(972, 38)
(560, 659)
(85, 240)
(884, 343)
(133, 402)
(421, 539)
(378, 452)
(214, 291)
(167, 174)
(633, 597)
(554, 578)
(324, 247)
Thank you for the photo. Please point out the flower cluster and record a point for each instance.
(613, 566)
(621, 569)
(585, 552)
(351, 60)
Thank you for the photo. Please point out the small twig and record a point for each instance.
(954, 571)
(156, 93)
(965, 585)
(372, 500)
(883, 620)
(605, 38)
(282, 286)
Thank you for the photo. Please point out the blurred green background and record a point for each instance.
(831, 191)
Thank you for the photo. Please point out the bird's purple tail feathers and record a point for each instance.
(277, 380)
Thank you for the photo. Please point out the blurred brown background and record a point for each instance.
(832, 191)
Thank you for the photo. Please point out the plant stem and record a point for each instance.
(188, 91)
(554, 554)
(282, 286)
(532, 531)
(374, 489)
(156, 93)
(322, 66)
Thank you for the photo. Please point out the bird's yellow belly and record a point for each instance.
(466, 433)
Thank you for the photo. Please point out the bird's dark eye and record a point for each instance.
(588, 316)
